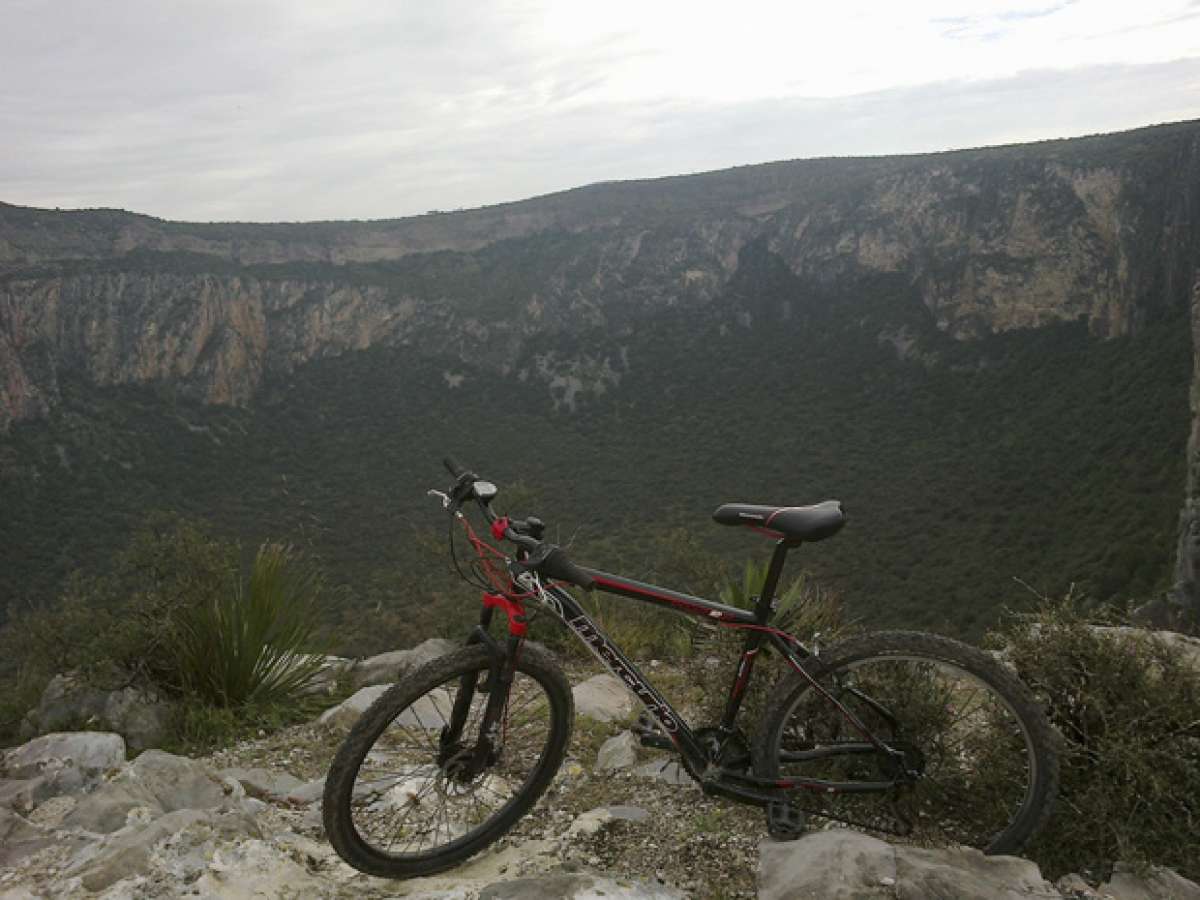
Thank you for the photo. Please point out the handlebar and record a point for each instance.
(542, 557)
(453, 467)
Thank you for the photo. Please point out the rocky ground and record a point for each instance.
(78, 819)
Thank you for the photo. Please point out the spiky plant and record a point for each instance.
(251, 645)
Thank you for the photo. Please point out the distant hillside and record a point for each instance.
(987, 354)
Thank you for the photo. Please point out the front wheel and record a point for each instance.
(409, 793)
(974, 761)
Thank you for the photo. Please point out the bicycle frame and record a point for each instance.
(712, 778)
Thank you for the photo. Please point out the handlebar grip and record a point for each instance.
(557, 565)
(453, 467)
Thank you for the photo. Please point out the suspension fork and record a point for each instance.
(502, 669)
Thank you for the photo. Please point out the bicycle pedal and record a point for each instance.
(785, 822)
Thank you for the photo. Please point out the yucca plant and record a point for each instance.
(804, 607)
(251, 645)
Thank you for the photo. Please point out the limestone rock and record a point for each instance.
(129, 851)
(618, 752)
(88, 751)
(1158, 884)
(107, 809)
(603, 698)
(308, 792)
(827, 865)
(1073, 887)
(20, 838)
(594, 820)
(141, 717)
(156, 782)
(346, 713)
(665, 770)
(67, 702)
(176, 781)
(966, 874)
(263, 783)
(387, 668)
(840, 865)
(253, 869)
(576, 887)
(1187, 647)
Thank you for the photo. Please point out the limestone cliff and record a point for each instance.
(988, 241)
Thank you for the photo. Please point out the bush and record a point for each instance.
(1127, 706)
(248, 645)
(172, 616)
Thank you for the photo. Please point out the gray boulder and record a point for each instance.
(68, 702)
(577, 887)
(90, 752)
(307, 792)
(966, 874)
(1187, 647)
(669, 771)
(840, 865)
(20, 838)
(387, 668)
(141, 717)
(108, 808)
(129, 851)
(595, 820)
(263, 783)
(618, 752)
(1158, 884)
(827, 865)
(603, 698)
(155, 783)
(56, 764)
(175, 781)
(346, 713)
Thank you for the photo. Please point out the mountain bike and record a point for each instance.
(913, 736)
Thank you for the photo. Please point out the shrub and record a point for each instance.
(249, 645)
(172, 615)
(1127, 706)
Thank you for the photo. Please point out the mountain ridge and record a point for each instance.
(931, 284)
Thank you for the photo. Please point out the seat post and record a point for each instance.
(762, 610)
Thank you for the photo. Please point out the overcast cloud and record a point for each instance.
(268, 110)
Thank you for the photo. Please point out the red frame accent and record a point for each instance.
(513, 608)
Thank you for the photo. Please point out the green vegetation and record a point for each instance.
(1045, 455)
(247, 645)
(1128, 711)
(173, 617)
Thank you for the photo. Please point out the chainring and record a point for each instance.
(727, 750)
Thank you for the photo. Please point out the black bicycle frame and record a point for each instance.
(712, 778)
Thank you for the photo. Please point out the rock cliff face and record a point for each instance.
(834, 301)
(987, 241)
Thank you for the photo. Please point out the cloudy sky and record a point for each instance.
(268, 110)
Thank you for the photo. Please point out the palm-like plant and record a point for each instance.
(805, 608)
(251, 645)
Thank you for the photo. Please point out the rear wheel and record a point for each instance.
(977, 751)
(406, 796)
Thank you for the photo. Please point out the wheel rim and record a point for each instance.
(975, 756)
(414, 796)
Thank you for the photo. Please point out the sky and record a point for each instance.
(295, 110)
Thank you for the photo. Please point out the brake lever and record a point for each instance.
(445, 498)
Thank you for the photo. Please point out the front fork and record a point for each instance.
(502, 670)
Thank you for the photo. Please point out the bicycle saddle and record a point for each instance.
(795, 523)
